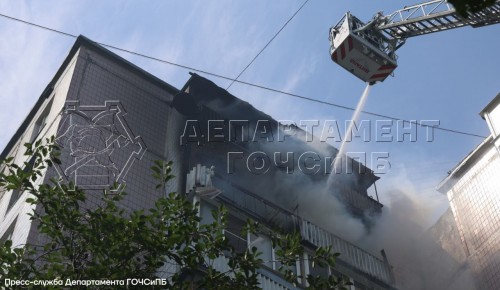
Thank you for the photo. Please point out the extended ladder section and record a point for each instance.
(368, 50)
(432, 17)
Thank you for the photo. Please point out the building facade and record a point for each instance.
(443, 263)
(473, 190)
(112, 120)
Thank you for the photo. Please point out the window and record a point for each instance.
(16, 193)
(206, 213)
(234, 234)
(14, 197)
(277, 264)
(8, 233)
(317, 270)
(265, 246)
(40, 122)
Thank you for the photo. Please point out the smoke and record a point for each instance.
(310, 196)
(398, 230)
(401, 228)
(415, 251)
(328, 212)
(313, 201)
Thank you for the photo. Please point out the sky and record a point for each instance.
(447, 76)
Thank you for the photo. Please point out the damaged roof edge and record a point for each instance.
(221, 93)
(96, 47)
(460, 169)
(83, 41)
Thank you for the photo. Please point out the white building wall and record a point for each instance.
(494, 121)
(475, 202)
(21, 209)
(91, 79)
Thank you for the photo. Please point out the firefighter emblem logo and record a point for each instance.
(97, 146)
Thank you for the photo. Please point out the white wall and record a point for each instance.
(21, 209)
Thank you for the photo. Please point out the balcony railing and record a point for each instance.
(265, 211)
(267, 279)
(358, 200)
(354, 256)
(254, 205)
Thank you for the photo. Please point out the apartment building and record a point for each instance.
(112, 120)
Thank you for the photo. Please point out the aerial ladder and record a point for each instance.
(368, 50)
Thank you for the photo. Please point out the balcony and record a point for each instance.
(357, 201)
(270, 214)
(354, 256)
(267, 279)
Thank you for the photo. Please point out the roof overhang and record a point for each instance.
(464, 165)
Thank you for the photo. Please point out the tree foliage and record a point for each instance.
(107, 241)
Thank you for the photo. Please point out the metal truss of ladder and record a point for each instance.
(434, 16)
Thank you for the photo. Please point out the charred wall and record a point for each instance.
(204, 101)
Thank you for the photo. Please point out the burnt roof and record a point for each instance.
(230, 107)
(207, 91)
